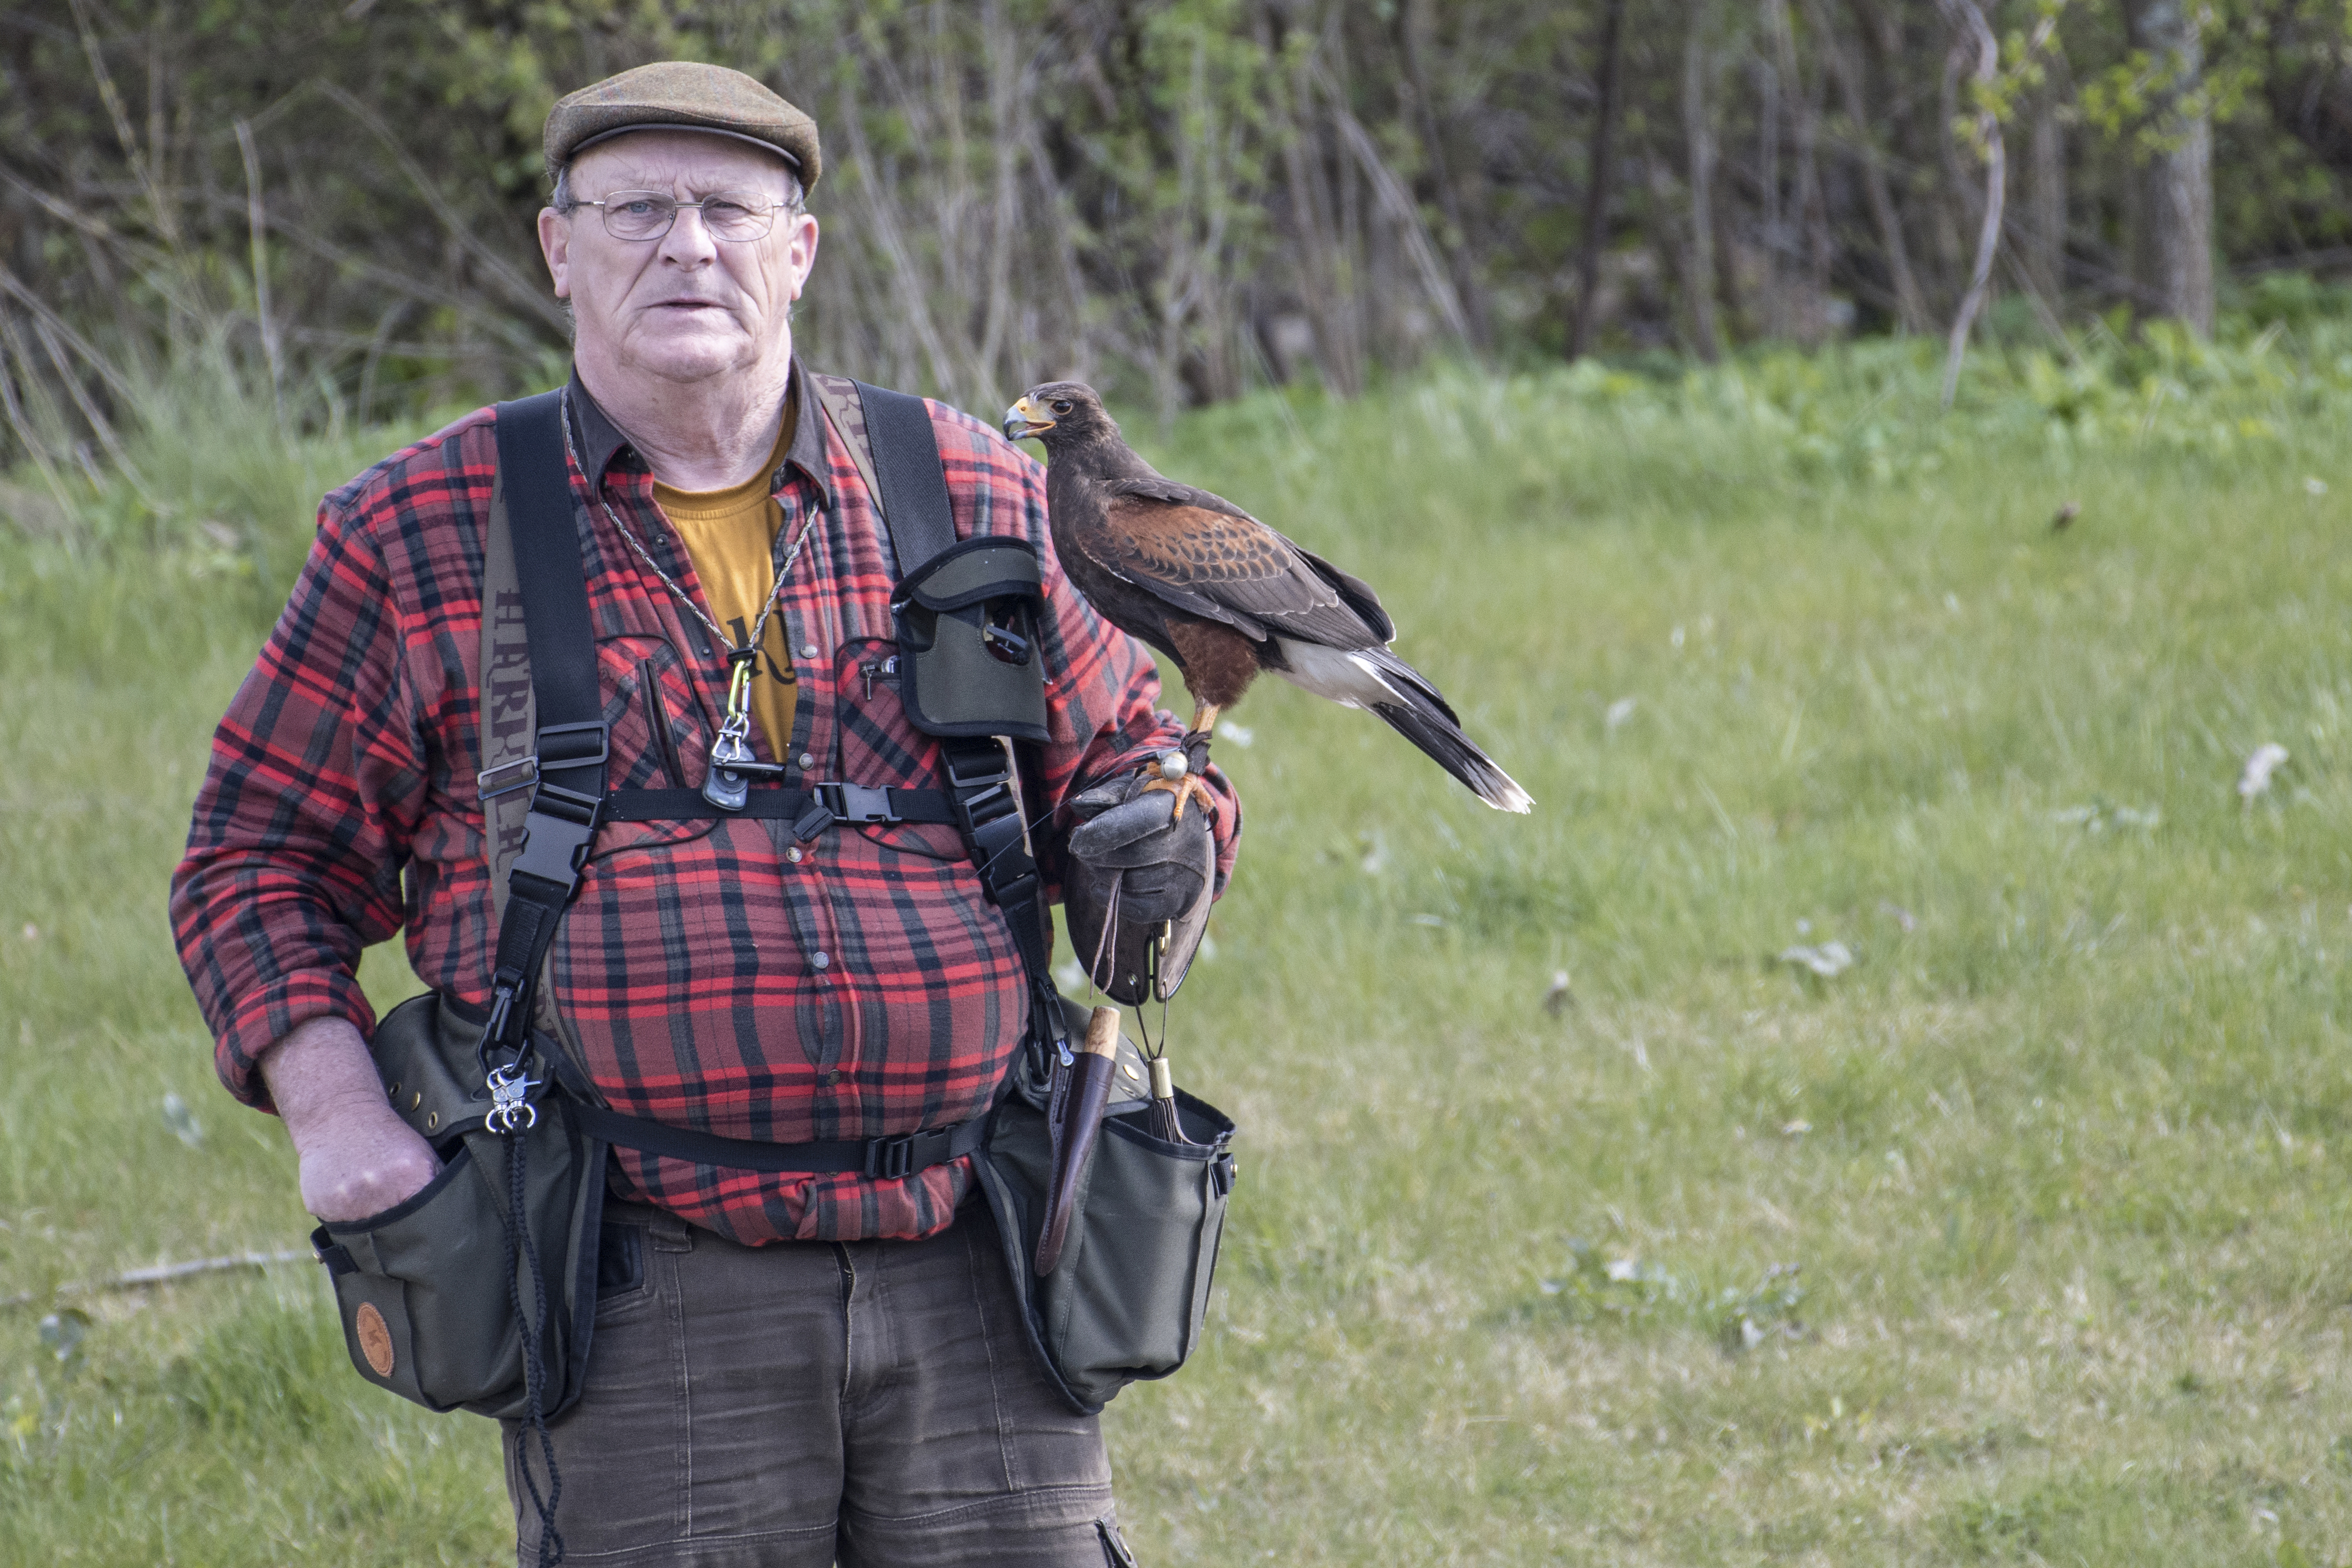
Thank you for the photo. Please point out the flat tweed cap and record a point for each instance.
(681, 95)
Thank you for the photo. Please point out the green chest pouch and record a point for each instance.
(967, 612)
(968, 660)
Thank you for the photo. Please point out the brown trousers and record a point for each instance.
(870, 1403)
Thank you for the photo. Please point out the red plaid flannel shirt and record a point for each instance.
(717, 976)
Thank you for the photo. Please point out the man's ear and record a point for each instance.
(555, 245)
(802, 248)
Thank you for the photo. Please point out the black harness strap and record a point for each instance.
(567, 799)
(810, 811)
(916, 516)
(920, 522)
(881, 1157)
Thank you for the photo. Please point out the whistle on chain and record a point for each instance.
(728, 784)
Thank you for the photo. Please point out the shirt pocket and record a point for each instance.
(879, 748)
(658, 736)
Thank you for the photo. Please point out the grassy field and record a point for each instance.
(2019, 1239)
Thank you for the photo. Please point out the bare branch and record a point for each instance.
(1968, 18)
(535, 298)
(257, 224)
(161, 1274)
(115, 380)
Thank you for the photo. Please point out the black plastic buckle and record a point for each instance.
(332, 1253)
(856, 802)
(986, 758)
(1006, 870)
(558, 830)
(508, 988)
(494, 1030)
(566, 753)
(890, 1159)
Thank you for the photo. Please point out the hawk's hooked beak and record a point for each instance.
(1026, 418)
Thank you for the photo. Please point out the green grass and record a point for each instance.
(2061, 1161)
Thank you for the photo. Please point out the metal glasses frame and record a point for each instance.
(739, 199)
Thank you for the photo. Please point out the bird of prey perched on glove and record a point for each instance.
(1224, 595)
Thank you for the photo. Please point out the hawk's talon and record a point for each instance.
(1183, 788)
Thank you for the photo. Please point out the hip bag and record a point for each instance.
(480, 1293)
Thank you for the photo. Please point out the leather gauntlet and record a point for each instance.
(1138, 891)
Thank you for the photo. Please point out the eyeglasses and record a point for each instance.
(733, 216)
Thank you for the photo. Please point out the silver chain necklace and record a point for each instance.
(732, 765)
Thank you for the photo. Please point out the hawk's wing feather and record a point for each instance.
(1159, 487)
(1218, 562)
(1356, 594)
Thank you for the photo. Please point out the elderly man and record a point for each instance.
(790, 1368)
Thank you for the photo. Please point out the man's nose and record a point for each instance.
(688, 242)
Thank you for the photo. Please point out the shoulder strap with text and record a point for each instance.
(568, 732)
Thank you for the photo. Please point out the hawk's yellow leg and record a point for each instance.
(1187, 786)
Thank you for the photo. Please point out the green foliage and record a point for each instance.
(1182, 201)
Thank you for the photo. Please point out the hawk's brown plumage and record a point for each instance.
(1222, 595)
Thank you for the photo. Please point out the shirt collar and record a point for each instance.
(601, 441)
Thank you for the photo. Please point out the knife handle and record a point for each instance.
(1074, 1132)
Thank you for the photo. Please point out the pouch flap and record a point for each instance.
(424, 1051)
(421, 1049)
(989, 567)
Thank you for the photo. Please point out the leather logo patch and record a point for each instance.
(376, 1338)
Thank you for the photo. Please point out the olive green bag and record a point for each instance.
(1127, 1301)
(433, 1292)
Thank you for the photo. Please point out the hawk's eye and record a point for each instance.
(1061, 405)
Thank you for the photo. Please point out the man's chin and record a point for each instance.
(692, 350)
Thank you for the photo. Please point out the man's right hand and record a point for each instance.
(358, 1158)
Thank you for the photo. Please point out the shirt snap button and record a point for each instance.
(820, 960)
(793, 854)
(808, 760)
(808, 650)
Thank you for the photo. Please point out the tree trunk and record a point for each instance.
(2176, 243)
(2045, 239)
(1812, 207)
(1977, 37)
(1596, 189)
(1698, 134)
(1774, 314)
(1414, 25)
(1910, 309)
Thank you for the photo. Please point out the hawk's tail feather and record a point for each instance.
(1437, 734)
(1376, 679)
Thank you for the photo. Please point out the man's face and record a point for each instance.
(685, 307)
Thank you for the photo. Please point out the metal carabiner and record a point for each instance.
(511, 1110)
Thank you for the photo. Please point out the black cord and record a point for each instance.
(532, 1333)
(990, 864)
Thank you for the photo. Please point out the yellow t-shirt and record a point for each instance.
(731, 536)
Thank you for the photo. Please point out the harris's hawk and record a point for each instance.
(1224, 595)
